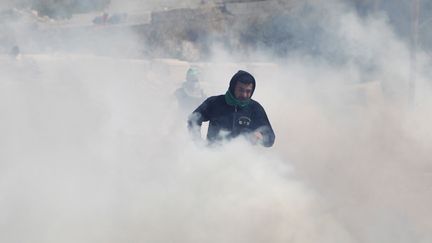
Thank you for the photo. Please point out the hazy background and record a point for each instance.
(94, 147)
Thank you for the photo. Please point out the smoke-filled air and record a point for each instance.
(94, 138)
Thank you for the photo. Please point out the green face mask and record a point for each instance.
(231, 100)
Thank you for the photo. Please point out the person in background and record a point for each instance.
(15, 52)
(233, 114)
(190, 94)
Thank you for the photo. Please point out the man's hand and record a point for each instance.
(257, 138)
(194, 126)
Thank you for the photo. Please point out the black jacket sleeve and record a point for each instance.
(198, 116)
(264, 126)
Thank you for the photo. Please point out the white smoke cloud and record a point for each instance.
(93, 155)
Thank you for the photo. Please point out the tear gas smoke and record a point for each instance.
(95, 149)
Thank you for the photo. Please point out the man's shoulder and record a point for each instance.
(257, 107)
(215, 99)
(256, 104)
(212, 105)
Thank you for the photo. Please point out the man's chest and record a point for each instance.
(232, 118)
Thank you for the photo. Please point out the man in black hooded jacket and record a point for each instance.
(234, 114)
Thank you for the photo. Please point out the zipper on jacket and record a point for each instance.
(234, 116)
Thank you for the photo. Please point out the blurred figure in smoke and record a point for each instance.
(234, 114)
(101, 19)
(15, 52)
(190, 94)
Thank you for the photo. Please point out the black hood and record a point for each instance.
(244, 77)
